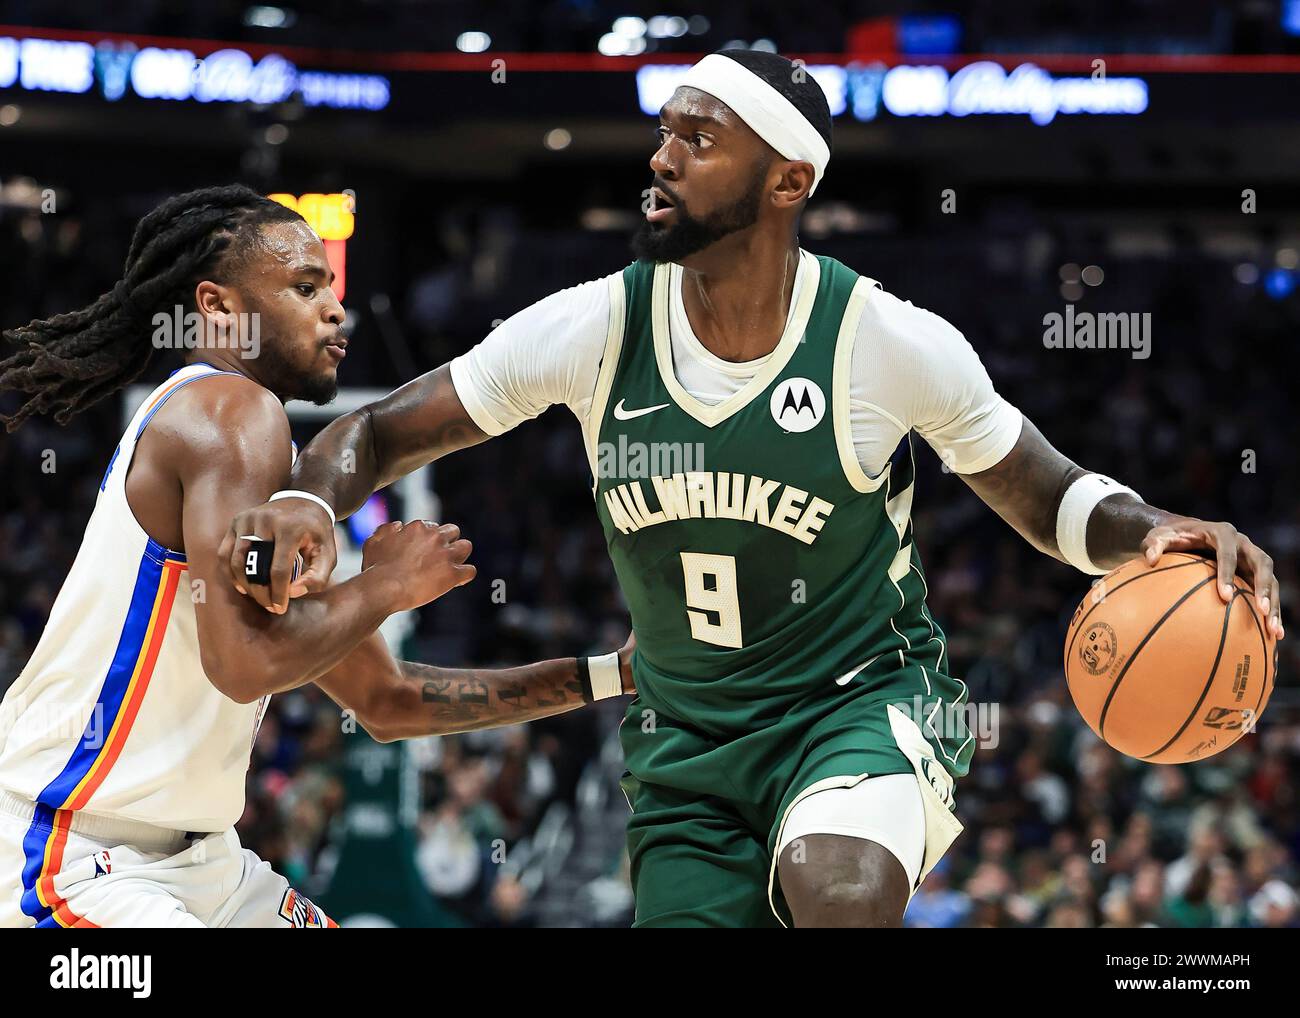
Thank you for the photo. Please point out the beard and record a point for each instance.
(282, 377)
(690, 234)
(320, 389)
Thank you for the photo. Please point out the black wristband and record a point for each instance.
(584, 676)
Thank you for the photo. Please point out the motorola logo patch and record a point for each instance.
(798, 404)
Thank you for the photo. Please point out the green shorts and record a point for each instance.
(707, 813)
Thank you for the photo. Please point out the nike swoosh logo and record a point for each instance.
(627, 415)
(849, 676)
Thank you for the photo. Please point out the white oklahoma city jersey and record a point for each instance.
(910, 370)
(113, 714)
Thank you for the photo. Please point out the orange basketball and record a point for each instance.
(1161, 668)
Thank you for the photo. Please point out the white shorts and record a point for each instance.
(886, 809)
(60, 868)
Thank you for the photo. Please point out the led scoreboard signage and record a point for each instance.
(333, 217)
(912, 90)
(228, 75)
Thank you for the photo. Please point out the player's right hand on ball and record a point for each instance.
(297, 526)
(425, 559)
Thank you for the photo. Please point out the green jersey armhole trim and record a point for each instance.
(841, 376)
(608, 369)
(711, 416)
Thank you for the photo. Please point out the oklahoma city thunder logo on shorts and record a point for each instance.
(300, 913)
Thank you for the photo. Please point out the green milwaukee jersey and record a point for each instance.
(762, 568)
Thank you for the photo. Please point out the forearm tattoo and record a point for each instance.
(1026, 489)
(463, 699)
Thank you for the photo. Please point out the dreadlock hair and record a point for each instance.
(71, 361)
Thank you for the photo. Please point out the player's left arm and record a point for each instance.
(1095, 524)
(937, 385)
(394, 699)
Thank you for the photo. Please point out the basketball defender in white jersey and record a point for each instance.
(125, 741)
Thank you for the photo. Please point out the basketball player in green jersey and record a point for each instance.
(747, 410)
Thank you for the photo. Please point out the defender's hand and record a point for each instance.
(1234, 552)
(625, 663)
(298, 526)
(425, 560)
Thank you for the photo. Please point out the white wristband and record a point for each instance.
(291, 493)
(1077, 504)
(606, 679)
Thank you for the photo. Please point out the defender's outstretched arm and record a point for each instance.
(237, 455)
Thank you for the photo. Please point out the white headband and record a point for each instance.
(773, 117)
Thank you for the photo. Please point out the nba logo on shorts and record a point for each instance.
(103, 865)
(299, 912)
(798, 404)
